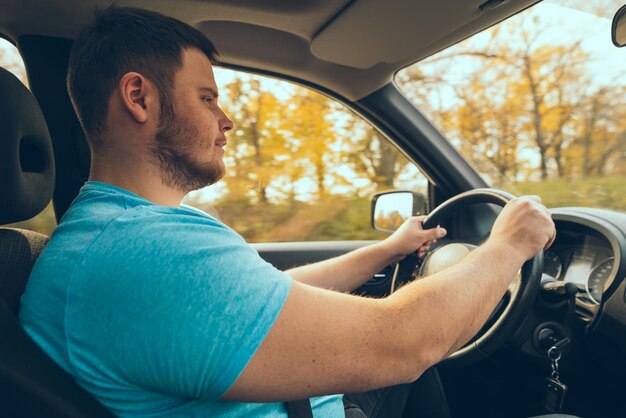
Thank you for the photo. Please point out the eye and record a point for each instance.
(208, 99)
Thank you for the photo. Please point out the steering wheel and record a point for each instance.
(504, 322)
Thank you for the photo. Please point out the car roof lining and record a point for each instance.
(304, 39)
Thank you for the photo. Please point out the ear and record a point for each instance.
(138, 96)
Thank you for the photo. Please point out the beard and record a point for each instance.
(174, 152)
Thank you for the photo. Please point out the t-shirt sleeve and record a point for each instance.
(178, 305)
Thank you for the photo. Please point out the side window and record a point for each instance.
(11, 60)
(300, 166)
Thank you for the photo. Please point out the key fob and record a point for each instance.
(554, 395)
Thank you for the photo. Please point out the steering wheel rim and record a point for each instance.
(521, 299)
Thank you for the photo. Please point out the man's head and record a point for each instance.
(142, 61)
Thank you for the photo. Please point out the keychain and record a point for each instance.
(554, 390)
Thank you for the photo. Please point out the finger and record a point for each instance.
(440, 232)
(551, 240)
(428, 235)
(534, 197)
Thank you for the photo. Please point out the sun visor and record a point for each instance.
(413, 26)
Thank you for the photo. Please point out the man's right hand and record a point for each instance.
(525, 225)
(330, 342)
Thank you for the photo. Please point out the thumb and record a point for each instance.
(434, 233)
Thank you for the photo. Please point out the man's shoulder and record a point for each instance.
(101, 204)
(170, 215)
(160, 220)
(97, 233)
(93, 213)
(151, 230)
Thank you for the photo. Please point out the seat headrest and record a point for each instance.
(26, 158)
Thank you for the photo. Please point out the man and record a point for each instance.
(161, 310)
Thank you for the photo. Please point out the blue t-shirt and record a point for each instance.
(155, 310)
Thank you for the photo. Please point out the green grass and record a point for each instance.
(352, 223)
(598, 192)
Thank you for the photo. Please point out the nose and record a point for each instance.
(226, 124)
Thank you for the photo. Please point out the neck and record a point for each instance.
(136, 175)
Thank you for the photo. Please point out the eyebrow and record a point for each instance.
(209, 90)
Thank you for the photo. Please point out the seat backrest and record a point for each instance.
(19, 248)
(31, 384)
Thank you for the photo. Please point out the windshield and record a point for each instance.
(536, 104)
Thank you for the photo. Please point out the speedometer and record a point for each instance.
(552, 264)
(598, 278)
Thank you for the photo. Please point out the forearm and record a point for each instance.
(345, 343)
(346, 272)
(437, 315)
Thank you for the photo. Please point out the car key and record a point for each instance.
(554, 390)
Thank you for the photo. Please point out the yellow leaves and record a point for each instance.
(521, 104)
(281, 139)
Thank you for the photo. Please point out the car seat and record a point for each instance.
(31, 384)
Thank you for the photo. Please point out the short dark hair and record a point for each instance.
(121, 40)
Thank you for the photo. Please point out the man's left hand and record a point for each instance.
(412, 238)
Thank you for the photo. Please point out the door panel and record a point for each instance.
(286, 255)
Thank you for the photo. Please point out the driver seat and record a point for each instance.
(31, 384)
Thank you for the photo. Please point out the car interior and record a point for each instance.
(349, 50)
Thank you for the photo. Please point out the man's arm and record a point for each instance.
(329, 342)
(349, 271)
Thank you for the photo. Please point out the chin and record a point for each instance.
(209, 176)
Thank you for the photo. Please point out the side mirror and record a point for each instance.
(391, 209)
(618, 28)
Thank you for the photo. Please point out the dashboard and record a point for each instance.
(583, 256)
(587, 252)
(590, 251)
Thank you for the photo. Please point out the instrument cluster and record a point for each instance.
(583, 259)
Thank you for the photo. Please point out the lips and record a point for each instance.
(220, 146)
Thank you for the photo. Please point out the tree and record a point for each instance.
(599, 146)
(311, 136)
(259, 144)
(489, 130)
(552, 80)
(518, 91)
(371, 155)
